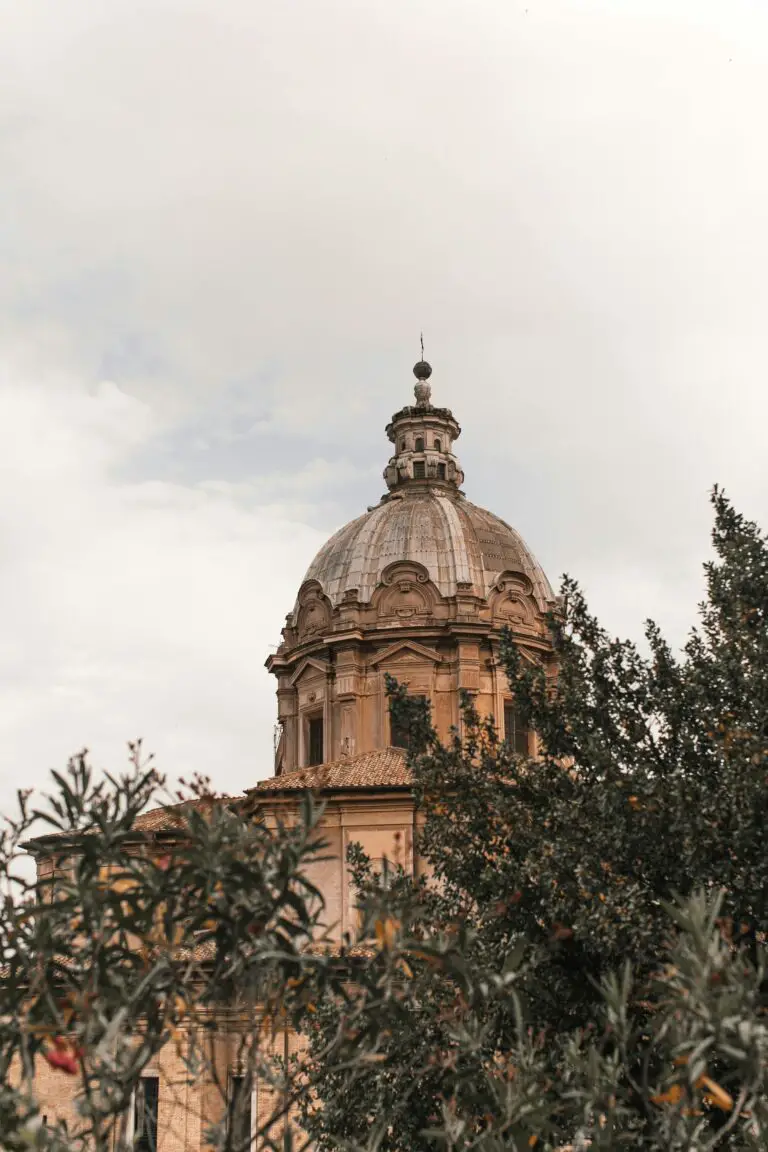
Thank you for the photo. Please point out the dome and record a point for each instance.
(457, 542)
(421, 588)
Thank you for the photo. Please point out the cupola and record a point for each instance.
(423, 436)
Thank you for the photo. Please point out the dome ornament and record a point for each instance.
(422, 371)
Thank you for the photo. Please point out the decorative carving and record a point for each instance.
(515, 611)
(514, 581)
(312, 618)
(404, 600)
(404, 570)
(405, 592)
(345, 684)
(314, 615)
(512, 601)
(423, 393)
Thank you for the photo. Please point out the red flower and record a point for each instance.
(63, 1055)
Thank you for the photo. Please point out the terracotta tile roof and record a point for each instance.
(163, 819)
(385, 768)
(170, 815)
(205, 950)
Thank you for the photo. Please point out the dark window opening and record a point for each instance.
(402, 445)
(399, 735)
(441, 471)
(145, 1114)
(438, 446)
(515, 734)
(315, 740)
(419, 470)
(419, 444)
(239, 1113)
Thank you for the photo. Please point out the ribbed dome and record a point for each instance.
(456, 542)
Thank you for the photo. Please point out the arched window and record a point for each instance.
(419, 444)
(402, 445)
(438, 445)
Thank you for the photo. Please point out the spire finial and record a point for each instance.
(422, 371)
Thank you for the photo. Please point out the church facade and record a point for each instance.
(420, 586)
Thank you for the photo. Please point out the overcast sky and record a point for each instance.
(223, 224)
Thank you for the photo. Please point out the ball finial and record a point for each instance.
(422, 371)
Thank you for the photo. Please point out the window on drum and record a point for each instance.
(515, 735)
(316, 741)
(399, 736)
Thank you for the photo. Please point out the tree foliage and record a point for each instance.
(133, 944)
(650, 790)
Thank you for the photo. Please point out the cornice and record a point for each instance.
(452, 631)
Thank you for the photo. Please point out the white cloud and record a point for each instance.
(243, 214)
(131, 609)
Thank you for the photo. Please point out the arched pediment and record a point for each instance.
(512, 602)
(313, 610)
(405, 592)
(405, 570)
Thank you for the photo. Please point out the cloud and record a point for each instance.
(131, 608)
(242, 216)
